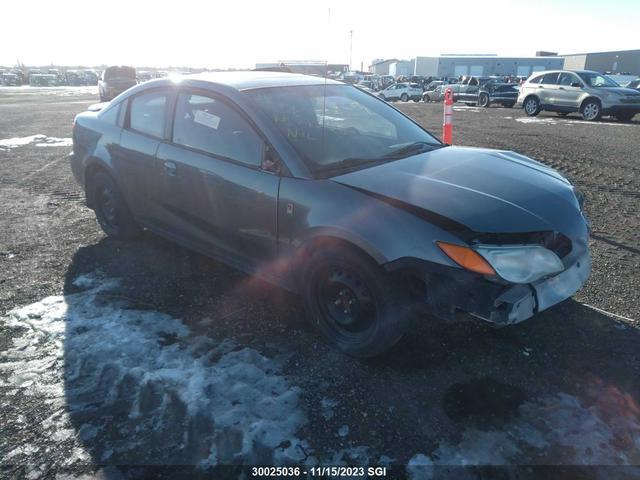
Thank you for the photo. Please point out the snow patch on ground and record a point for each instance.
(40, 140)
(556, 430)
(140, 387)
(554, 121)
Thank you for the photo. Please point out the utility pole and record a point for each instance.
(350, 49)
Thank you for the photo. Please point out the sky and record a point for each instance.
(239, 34)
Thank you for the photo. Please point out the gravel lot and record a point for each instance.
(145, 354)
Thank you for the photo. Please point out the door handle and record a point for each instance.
(170, 168)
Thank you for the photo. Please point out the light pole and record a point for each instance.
(350, 49)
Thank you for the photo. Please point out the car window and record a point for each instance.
(213, 126)
(473, 82)
(147, 113)
(110, 114)
(550, 78)
(567, 79)
(537, 79)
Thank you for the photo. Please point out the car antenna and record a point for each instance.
(324, 92)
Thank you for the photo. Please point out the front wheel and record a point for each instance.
(352, 302)
(532, 106)
(404, 97)
(591, 110)
(483, 100)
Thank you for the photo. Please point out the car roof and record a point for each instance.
(245, 80)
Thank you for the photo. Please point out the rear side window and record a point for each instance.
(111, 114)
(212, 126)
(550, 78)
(147, 113)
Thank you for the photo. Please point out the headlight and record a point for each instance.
(521, 264)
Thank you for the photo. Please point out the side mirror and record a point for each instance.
(576, 84)
(270, 162)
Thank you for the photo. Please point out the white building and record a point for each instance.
(457, 65)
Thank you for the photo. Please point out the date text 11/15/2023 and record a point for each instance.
(320, 471)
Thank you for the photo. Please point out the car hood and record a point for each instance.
(487, 191)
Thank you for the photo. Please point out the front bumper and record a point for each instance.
(453, 289)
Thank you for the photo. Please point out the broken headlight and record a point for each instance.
(521, 263)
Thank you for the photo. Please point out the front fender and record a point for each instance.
(311, 209)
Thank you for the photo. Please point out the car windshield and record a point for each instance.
(338, 128)
(597, 80)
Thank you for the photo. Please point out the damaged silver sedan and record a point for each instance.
(332, 193)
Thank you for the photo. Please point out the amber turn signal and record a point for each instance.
(466, 258)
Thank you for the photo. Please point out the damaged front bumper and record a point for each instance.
(452, 289)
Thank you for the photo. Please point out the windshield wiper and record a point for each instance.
(411, 149)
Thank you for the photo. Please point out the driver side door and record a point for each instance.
(213, 190)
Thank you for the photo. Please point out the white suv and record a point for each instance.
(402, 91)
(589, 93)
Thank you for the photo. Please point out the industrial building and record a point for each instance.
(457, 65)
(622, 61)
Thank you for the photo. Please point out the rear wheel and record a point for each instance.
(426, 98)
(353, 303)
(591, 110)
(111, 209)
(404, 97)
(531, 106)
(483, 100)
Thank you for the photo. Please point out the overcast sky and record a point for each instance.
(237, 34)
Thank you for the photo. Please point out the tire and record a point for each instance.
(531, 106)
(625, 116)
(426, 99)
(352, 303)
(591, 110)
(111, 210)
(404, 97)
(416, 99)
(483, 100)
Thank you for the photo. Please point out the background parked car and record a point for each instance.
(635, 84)
(10, 79)
(429, 94)
(589, 93)
(114, 81)
(402, 91)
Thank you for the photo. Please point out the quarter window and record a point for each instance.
(214, 127)
(148, 113)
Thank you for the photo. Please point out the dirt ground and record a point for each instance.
(146, 354)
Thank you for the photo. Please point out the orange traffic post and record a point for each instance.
(447, 127)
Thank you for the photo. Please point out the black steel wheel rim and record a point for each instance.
(107, 205)
(345, 301)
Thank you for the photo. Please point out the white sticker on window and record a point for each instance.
(207, 119)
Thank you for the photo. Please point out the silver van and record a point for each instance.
(589, 93)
